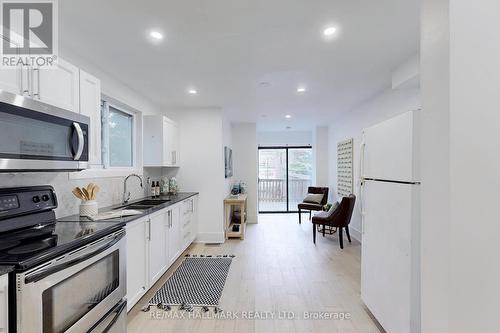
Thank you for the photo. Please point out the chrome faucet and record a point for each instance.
(126, 195)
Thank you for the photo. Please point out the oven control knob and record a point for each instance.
(36, 199)
(45, 197)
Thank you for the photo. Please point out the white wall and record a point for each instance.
(284, 138)
(227, 142)
(383, 107)
(202, 169)
(245, 162)
(461, 229)
(321, 156)
(435, 168)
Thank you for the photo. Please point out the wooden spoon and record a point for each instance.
(77, 193)
(86, 193)
(95, 189)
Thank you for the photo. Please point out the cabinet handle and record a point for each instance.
(149, 229)
(26, 91)
(37, 94)
(22, 80)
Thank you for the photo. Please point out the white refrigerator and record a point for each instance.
(390, 207)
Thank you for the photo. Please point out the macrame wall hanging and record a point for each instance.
(345, 167)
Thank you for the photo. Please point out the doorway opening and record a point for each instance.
(285, 173)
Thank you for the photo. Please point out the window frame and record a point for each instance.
(105, 136)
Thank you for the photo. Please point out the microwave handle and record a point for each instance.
(81, 142)
(37, 276)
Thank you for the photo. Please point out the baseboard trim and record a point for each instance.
(356, 234)
(210, 237)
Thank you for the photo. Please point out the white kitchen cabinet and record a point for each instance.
(4, 302)
(158, 245)
(10, 80)
(55, 86)
(137, 260)
(174, 235)
(154, 243)
(58, 86)
(161, 142)
(90, 106)
(189, 225)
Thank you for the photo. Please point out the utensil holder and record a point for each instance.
(89, 208)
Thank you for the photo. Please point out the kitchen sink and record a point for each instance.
(143, 204)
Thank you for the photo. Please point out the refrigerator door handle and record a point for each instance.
(361, 173)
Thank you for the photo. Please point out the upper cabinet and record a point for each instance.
(57, 86)
(90, 106)
(161, 142)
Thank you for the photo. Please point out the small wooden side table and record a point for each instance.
(229, 203)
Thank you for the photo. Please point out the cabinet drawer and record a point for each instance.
(186, 224)
(187, 207)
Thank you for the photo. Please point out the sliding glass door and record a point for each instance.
(285, 173)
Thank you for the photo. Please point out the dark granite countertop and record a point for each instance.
(6, 269)
(173, 199)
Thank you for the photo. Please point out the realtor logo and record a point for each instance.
(29, 32)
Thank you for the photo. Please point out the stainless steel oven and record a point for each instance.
(39, 137)
(81, 291)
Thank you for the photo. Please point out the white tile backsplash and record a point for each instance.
(110, 194)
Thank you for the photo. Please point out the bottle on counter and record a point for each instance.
(157, 189)
(153, 189)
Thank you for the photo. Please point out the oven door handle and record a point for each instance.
(37, 276)
(118, 311)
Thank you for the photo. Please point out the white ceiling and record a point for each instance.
(225, 48)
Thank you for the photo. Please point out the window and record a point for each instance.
(117, 137)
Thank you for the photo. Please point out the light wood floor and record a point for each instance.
(276, 268)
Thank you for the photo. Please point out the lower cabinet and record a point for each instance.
(4, 298)
(174, 242)
(154, 243)
(158, 245)
(137, 260)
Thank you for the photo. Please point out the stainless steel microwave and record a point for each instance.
(35, 136)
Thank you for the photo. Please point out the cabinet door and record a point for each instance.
(158, 259)
(90, 106)
(4, 295)
(10, 80)
(58, 86)
(174, 144)
(187, 222)
(137, 259)
(174, 243)
(167, 150)
(171, 143)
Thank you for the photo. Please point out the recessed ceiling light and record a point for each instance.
(156, 35)
(288, 116)
(301, 89)
(192, 91)
(329, 31)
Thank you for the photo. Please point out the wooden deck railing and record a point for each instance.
(274, 190)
